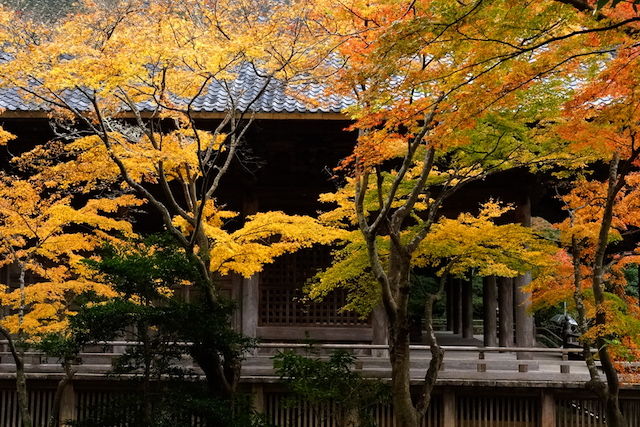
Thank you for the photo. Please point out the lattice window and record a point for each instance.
(282, 300)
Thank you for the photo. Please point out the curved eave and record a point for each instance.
(202, 115)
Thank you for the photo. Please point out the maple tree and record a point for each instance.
(445, 94)
(602, 219)
(39, 237)
(124, 83)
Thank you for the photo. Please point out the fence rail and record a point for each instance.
(526, 365)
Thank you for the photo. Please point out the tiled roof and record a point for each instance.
(277, 98)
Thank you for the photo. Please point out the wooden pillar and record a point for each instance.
(525, 325)
(457, 305)
(237, 296)
(250, 294)
(67, 405)
(524, 322)
(250, 305)
(505, 307)
(547, 410)
(379, 325)
(467, 309)
(489, 304)
(449, 294)
(448, 409)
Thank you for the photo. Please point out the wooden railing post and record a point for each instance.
(482, 366)
(565, 368)
(448, 409)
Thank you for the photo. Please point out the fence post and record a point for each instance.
(565, 368)
(448, 409)
(67, 405)
(257, 398)
(547, 410)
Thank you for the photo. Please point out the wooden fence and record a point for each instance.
(469, 410)
(40, 404)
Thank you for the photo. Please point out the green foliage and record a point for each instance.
(349, 270)
(207, 328)
(147, 268)
(148, 275)
(61, 346)
(317, 381)
(632, 275)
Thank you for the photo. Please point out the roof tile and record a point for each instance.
(277, 97)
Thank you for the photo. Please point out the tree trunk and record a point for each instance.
(612, 409)
(350, 418)
(437, 354)
(21, 379)
(54, 418)
(404, 412)
(17, 352)
(147, 410)
(615, 184)
(23, 396)
(610, 398)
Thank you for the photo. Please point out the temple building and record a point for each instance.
(291, 151)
